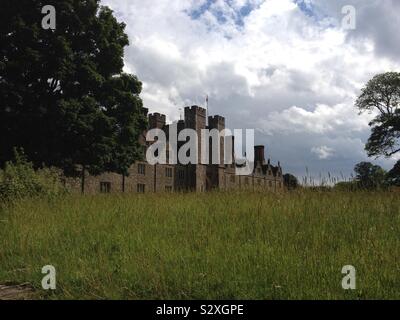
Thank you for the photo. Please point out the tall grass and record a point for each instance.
(205, 246)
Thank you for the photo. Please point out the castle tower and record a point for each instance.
(218, 123)
(157, 121)
(180, 125)
(195, 118)
(216, 172)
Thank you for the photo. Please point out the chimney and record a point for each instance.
(259, 154)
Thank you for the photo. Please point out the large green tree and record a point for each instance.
(64, 96)
(381, 96)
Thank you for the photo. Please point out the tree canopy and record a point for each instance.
(64, 96)
(393, 176)
(369, 176)
(290, 181)
(381, 95)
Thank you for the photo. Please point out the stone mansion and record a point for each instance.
(144, 177)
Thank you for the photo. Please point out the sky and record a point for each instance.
(286, 68)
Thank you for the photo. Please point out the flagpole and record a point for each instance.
(207, 110)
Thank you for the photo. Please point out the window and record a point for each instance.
(181, 174)
(141, 168)
(105, 187)
(168, 188)
(168, 172)
(232, 178)
(141, 188)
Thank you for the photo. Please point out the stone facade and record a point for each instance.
(144, 177)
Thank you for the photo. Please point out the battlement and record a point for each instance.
(216, 119)
(157, 120)
(195, 117)
(195, 110)
(157, 115)
(216, 122)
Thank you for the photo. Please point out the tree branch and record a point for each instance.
(393, 152)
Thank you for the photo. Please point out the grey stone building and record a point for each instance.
(144, 177)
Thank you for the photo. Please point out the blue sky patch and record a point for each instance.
(237, 15)
(306, 7)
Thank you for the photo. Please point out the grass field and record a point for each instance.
(205, 246)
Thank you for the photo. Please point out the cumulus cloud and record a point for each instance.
(338, 120)
(323, 152)
(283, 67)
(378, 22)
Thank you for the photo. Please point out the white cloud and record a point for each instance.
(323, 152)
(341, 119)
(277, 68)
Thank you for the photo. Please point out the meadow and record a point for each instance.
(217, 245)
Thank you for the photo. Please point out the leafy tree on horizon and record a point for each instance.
(346, 186)
(382, 95)
(64, 96)
(393, 176)
(369, 176)
(290, 181)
